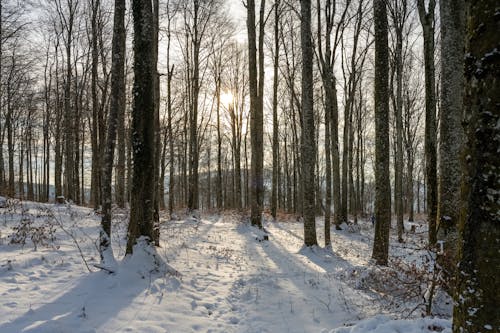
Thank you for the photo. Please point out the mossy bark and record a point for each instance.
(478, 286)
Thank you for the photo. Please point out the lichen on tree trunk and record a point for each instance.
(478, 286)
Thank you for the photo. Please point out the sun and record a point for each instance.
(226, 98)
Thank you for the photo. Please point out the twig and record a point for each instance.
(59, 222)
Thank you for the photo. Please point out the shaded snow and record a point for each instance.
(214, 274)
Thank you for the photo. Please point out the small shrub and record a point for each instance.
(40, 233)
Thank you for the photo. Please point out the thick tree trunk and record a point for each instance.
(256, 84)
(308, 145)
(143, 124)
(451, 132)
(382, 185)
(478, 285)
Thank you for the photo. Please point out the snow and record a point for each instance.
(383, 324)
(211, 274)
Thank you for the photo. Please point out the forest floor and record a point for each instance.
(226, 277)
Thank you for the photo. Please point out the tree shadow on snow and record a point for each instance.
(95, 299)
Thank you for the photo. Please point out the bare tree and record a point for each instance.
(308, 145)
(66, 13)
(383, 191)
(117, 105)
(399, 14)
(256, 85)
(143, 124)
(275, 142)
(428, 23)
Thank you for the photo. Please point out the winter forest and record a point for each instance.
(250, 166)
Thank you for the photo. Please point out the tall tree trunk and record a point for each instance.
(143, 125)
(328, 171)
(427, 21)
(120, 193)
(69, 117)
(477, 294)
(219, 145)
(95, 197)
(451, 132)
(156, 90)
(170, 73)
(335, 155)
(117, 105)
(382, 186)
(308, 145)
(171, 173)
(256, 84)
(193, 190)
(326, 75)
(398, 167)
(275, 184)
(10, 143)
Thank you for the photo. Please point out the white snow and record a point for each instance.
(213, 274)
(383, 324)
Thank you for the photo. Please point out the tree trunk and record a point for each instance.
(95, 197)
(383, 191)
(451, 131)
(328, 171)
(143, 125)
(256, 84)
(117, 105)
(275, 184)
(193, 190)
(156, 90)
(398, 167)
(171, 178)
(478, 286)
(69, 117)
(308, 145)
(219, 146)
(427, 21)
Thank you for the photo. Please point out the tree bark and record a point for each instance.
(117, 106)
(428, 23)
(143, 125)
(308, 145)
(95, 197)
(256, 85)
(478, 286)
(451, 132)
(275, 185)
(382, 185)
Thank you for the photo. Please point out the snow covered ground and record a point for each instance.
(228, 280)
